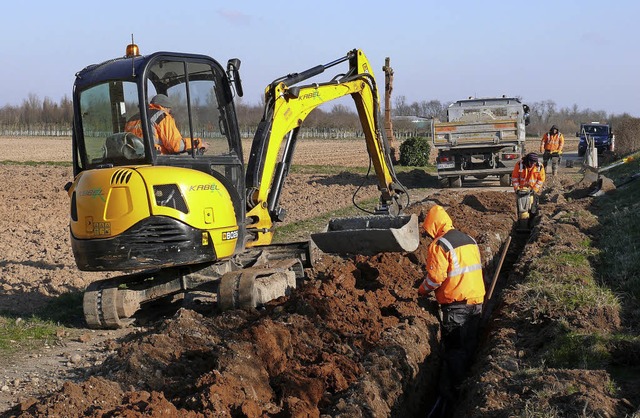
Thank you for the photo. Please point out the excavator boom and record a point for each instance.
(287, 105)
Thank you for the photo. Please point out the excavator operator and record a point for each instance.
(454, 274)
(166, 136)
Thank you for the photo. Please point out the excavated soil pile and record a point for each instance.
(353, 340)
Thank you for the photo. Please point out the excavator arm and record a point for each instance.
(287, 105)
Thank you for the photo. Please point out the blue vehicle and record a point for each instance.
(600, 133)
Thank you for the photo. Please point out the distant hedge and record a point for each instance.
(414, 151)
(627, 132)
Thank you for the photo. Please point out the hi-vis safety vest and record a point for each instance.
(166, 136)
(454, 269)
(552, 142)
(532, 178)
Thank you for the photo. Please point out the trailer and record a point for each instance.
(481, 137)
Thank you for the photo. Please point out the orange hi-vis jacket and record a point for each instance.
(454, 267)
(552, 143)
(166, 136)
(524, 177)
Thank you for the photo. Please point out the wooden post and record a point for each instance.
(388, 125)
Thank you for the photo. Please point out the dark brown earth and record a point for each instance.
(353, 340)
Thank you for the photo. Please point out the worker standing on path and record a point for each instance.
(551, 146)
(454, 274)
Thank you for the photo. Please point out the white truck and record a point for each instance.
(482, 137)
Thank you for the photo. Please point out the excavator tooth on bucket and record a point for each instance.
(369, 235)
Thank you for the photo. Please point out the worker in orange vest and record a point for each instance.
(527, 178)
(528, 173)
(454, 275)
(166, 136)
(551, 146)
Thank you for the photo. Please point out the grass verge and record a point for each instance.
(21, 333)
(596, 279)
(37, 163)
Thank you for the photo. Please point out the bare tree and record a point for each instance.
(36, 116)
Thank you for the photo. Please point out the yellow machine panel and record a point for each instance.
(107, 202)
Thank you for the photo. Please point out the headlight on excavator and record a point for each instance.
(169, 195)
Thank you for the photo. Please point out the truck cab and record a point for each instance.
(600, 133)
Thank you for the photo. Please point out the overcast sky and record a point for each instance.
(582, 52)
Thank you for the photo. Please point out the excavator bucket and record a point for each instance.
(369, 235)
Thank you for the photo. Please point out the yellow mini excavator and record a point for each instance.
(203, 221)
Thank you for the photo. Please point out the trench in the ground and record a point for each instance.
(421, 398)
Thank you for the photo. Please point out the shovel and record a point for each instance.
(369, 235)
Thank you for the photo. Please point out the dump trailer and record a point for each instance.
(481, 137)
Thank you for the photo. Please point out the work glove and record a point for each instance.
(200, 146)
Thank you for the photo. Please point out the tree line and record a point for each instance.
(35, 116)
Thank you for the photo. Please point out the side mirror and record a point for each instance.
(578, 134)
(233, 72)
(527, 118)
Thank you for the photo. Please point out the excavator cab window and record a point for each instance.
(192, 88)
(111, 132)
(103, 110)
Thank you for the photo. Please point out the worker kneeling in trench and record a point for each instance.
(454, 274)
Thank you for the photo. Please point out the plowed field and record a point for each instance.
(353, 340)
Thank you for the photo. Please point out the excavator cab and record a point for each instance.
(128, 188)
(115, 97)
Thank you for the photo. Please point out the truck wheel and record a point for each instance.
(505, 180)
(443, 182)
(455, 182)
